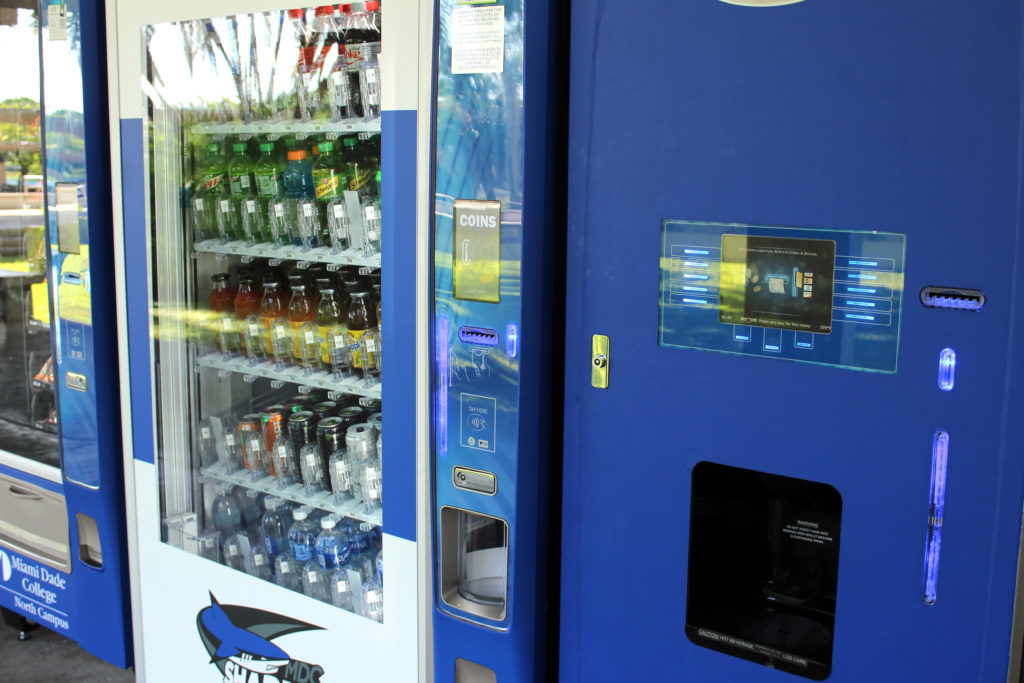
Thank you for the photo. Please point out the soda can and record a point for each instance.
(247, 425)
(360, 444)
(272, 418)
(372, 405)
(324, 409)
(330, 431)
(351, 415)
(296, 404)
(302, 429)
(375, 420)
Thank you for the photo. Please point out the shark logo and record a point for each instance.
(238, 640)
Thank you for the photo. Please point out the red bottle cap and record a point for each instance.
(296, 13)
(325, 10)
(372, 6)
(296, 154)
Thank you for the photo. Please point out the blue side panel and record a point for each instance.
(843, 115)
(398, 309)
(133, 189)
(82, 286)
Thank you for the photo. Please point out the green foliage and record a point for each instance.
(26, 132)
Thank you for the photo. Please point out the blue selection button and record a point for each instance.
(864, 289)
(772, 340)
(741, 333)
(863, 317)
(803, 340)
(866, 278)
(884, 305)
(865, 263)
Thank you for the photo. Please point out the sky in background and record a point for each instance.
(19, 61)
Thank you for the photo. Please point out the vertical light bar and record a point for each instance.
(947, 369)
(511, 340)
(441, 419)
(936, 503)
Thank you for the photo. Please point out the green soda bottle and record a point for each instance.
(269, 172)
(215, 189)
(329, 184)
(242, 187)
(357, 171)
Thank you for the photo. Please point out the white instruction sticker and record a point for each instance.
(478, 40)
(57, 18)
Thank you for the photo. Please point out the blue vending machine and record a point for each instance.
(794, 342)
(62, 524)
(494, 296)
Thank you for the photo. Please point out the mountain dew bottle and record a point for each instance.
(242, 186)
(329, 184)
(269, 173)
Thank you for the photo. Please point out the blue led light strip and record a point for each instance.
(936, 503)
(441, 418)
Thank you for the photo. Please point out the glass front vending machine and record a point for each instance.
(269, 174)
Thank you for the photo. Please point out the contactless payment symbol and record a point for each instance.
(477, 423)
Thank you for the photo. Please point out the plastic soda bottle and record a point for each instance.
(269, 173)
(298, 186)
(330, 185)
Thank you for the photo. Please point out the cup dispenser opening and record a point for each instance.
(474, 563)
(763, 562)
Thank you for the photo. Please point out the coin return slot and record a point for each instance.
(763, 563)
(953, 298)
(478, 335)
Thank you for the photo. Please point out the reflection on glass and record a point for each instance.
(28, 419)
(264, 134)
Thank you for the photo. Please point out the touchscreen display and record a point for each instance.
(777, 282)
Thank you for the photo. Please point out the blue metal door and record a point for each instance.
(765, 483)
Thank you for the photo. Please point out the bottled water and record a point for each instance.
(259, 562)
(302, 536)
(380, 567)
(338, 585)
(330, 544)
(373, 600)
(235, 551)
(227, 511)
(286, 573)
(252, 513)
(275, 528)
(314, 582)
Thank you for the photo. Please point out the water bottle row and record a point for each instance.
(330, 558)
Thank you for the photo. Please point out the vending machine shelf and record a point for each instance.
(324, 500)
(290, 127)
(319, 379)
(325, 255)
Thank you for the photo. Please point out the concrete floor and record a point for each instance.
(51, 658)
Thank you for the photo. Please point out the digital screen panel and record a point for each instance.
(810, 295)
(777, 282)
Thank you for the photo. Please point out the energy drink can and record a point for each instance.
(324, 409)
(351, 415)
(302, 429)
(331, 433)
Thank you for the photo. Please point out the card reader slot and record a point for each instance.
(955, 298)
(478, 335)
